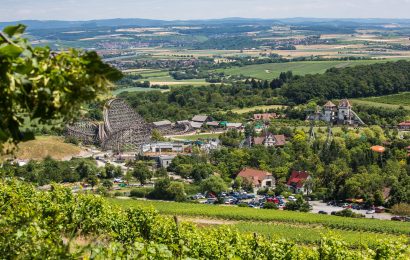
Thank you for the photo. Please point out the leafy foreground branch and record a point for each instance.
(58, 224)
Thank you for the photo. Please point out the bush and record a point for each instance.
(270, 205)
(118, 194)
(138, 193)
(349, 213)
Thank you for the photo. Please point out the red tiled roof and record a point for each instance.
(298, 178)
(265, 116)
(405, 123)
(258, 140)
(280, 140)
(254, 175)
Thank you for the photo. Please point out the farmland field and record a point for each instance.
(290, 217)
(272, 70)
(402, 99)
(309, 234)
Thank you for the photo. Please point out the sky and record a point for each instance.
(12, 10)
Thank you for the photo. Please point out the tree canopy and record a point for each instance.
(41, 85)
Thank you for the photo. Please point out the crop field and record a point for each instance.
(378, 103)
(309, 234)
(289, 217)
(272, 70)
(402, 99)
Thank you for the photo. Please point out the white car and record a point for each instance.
(292, 198)
(372, 211)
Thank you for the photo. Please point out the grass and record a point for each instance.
(251, 109)
(389, 101)
(268, 216)
(44, 146)
(133, 89)
(367, 102)
(195, 137)
(272, 70)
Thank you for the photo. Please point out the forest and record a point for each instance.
(359, 81)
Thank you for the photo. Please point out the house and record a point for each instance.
(404, 126)
(297, 182)
(259, 179)
(165, 160)
(270, 140)
(265, 116)
(201, 118)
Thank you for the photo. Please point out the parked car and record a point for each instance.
(322, 212)
(292, 198)
(371, 211)
(211, 200)
(398, 218)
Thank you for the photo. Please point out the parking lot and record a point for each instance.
(321, 206)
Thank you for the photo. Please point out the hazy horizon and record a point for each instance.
(82, 10)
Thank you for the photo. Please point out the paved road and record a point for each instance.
(318, 206)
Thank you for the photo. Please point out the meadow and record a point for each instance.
(44, 146)
(396, 100)
(272, 70)
(195, 137)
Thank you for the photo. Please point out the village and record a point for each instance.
(257, 187)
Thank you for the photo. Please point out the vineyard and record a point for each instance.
(57, 224)
(239, 213)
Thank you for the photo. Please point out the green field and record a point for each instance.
(310, 234)
(134, 89)
(250, 109)
(272, 70)
(269, 216)
(388, 101)
(195, 137)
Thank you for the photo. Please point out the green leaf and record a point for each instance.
(14, 30)
(11, 51)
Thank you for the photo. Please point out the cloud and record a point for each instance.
(200, 9)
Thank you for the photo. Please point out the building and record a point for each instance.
(162, 124)
(298, 182)
(270, 140)
(163, 147)
(265, 116)
(201, 119)
(342, 114)
(259, 179)
(213, 124)
(237, 126)
(165, 160)
(404, 126)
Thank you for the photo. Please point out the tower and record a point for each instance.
(345, 111)
(329, 108)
